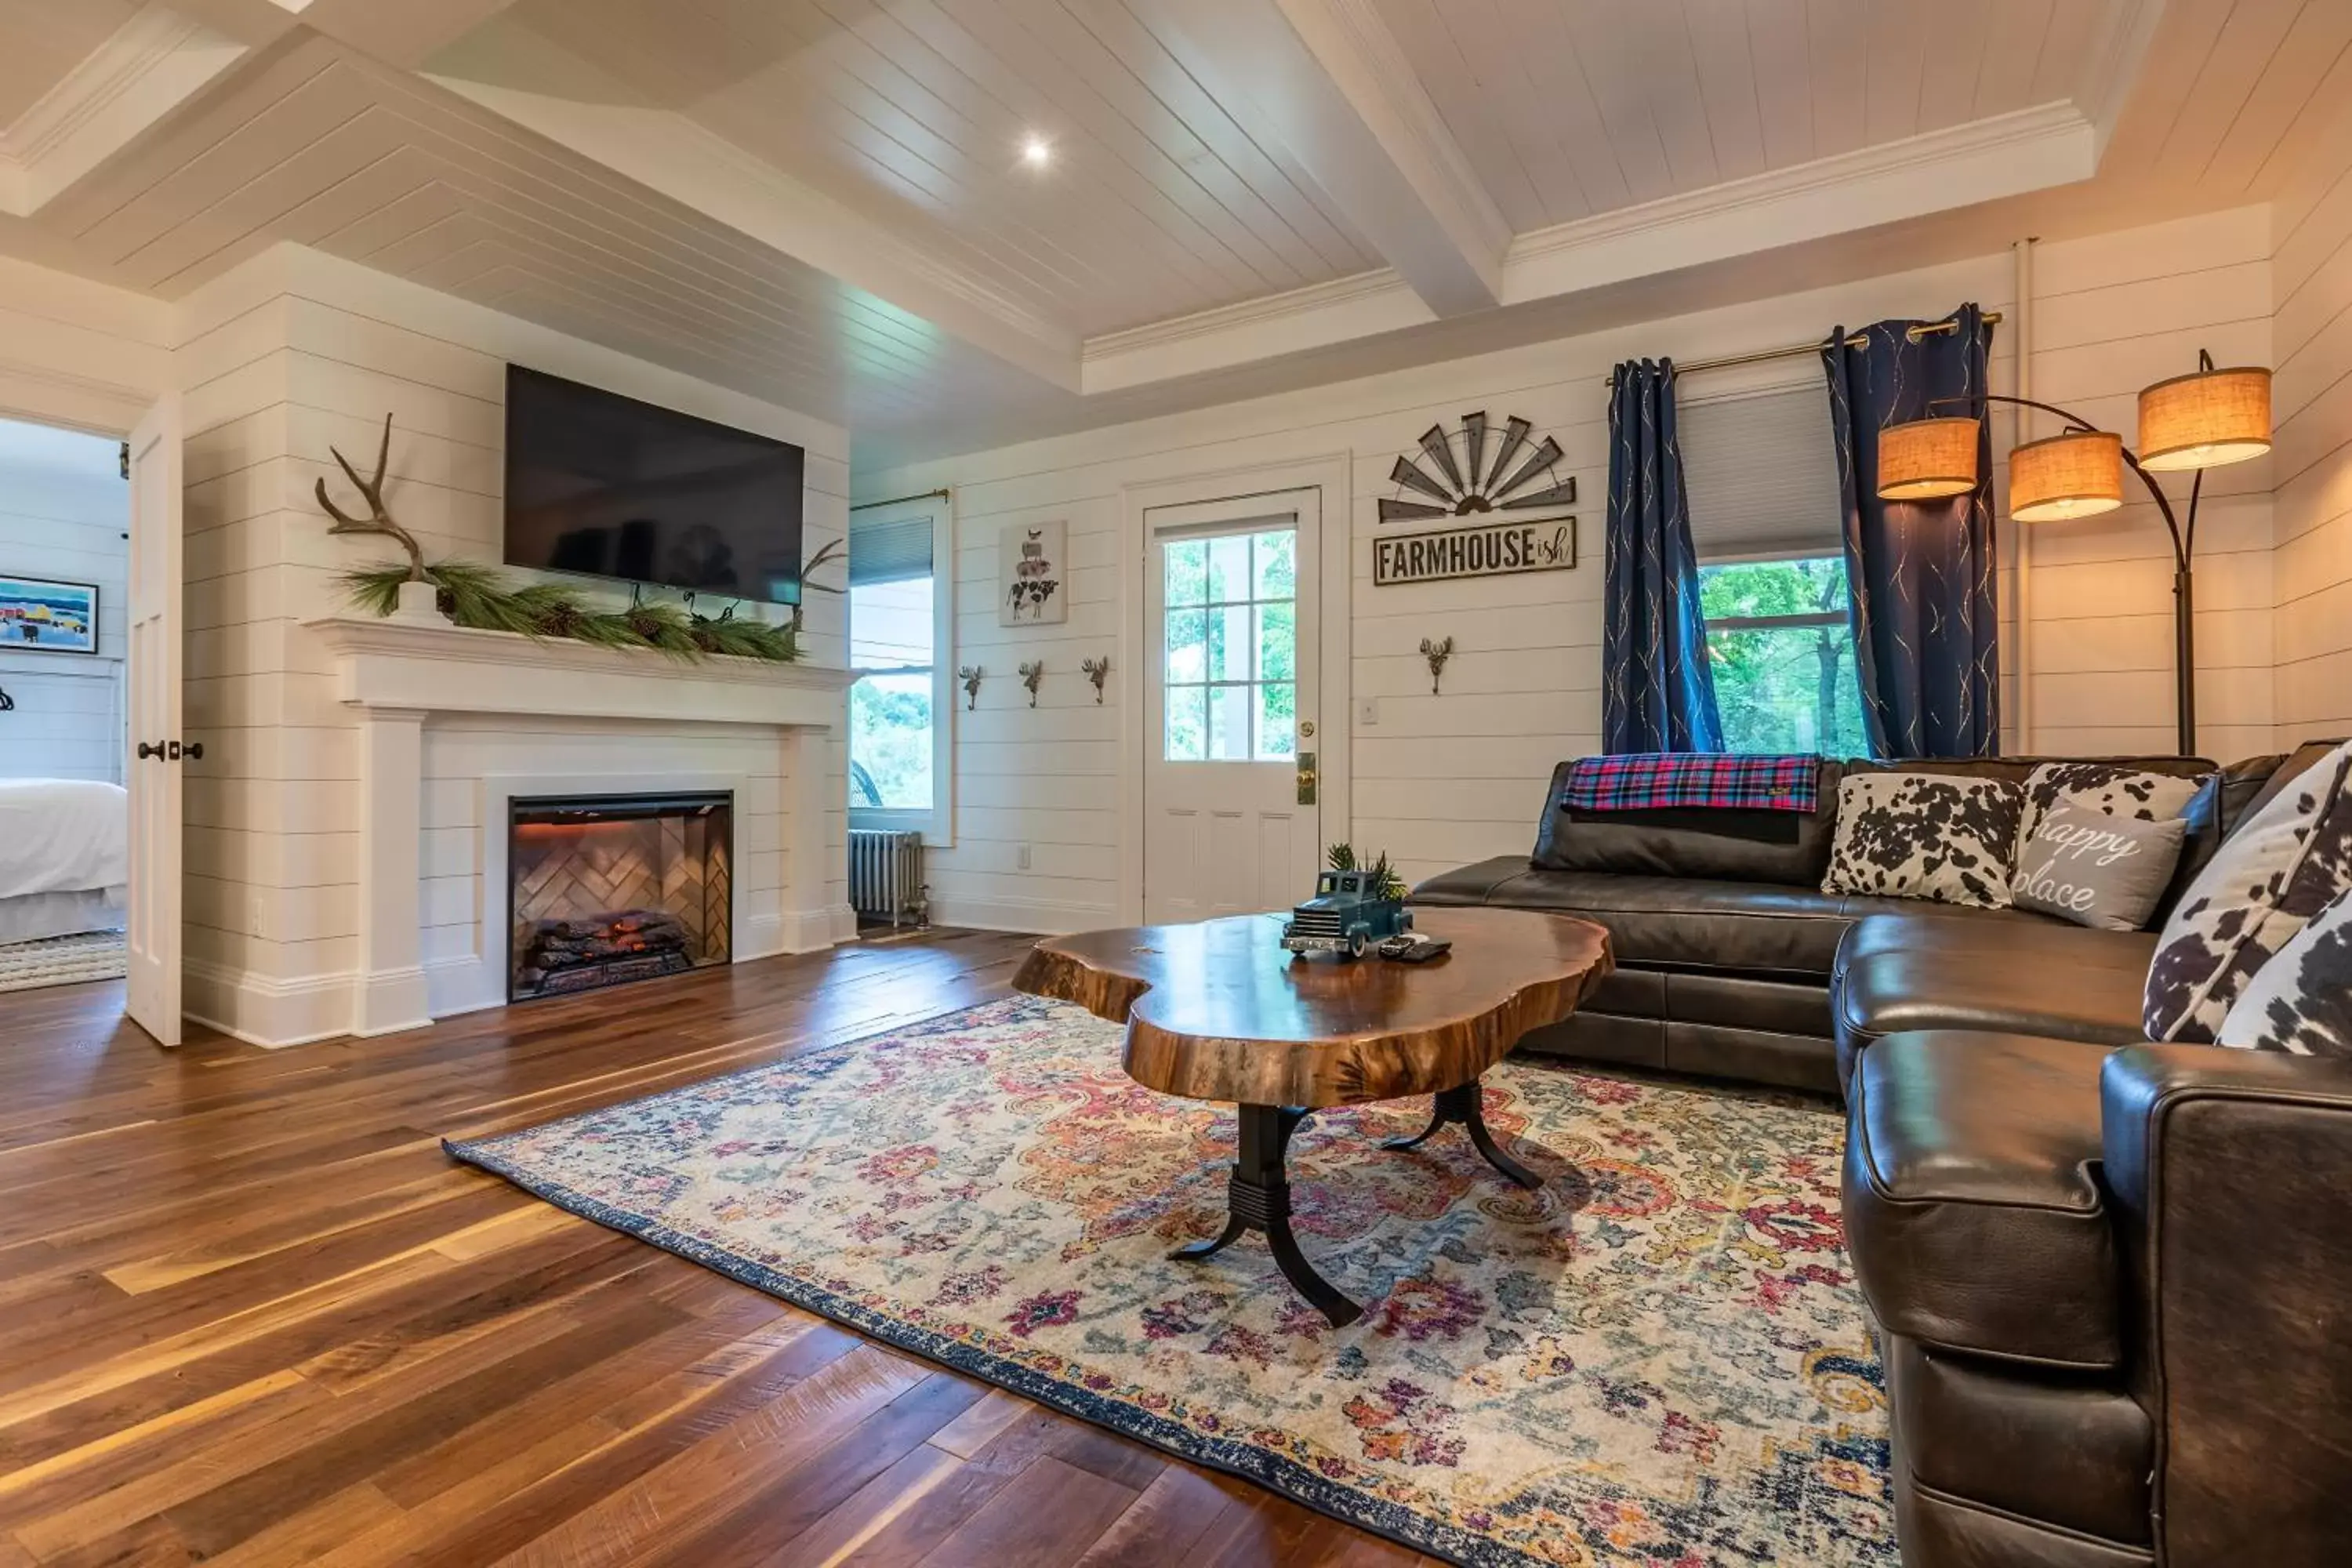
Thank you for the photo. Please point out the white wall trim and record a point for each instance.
(154, 62)
(937, 825)
(1331, 478)
(261, 1010)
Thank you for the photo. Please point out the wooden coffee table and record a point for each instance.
(1218, 1011)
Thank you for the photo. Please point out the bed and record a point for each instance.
(65, 858)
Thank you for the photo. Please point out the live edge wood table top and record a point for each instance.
(1217, 1010)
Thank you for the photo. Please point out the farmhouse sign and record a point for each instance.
(1482, 550)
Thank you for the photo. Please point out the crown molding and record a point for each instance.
(1292, 321)
(153, 63)
(2126, 30)
(2026, 151)
(2008, 155)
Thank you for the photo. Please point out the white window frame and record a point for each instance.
(937, 824)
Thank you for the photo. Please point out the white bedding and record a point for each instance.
(61, 836)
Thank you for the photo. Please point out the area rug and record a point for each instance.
(62, 960)
(1658, 1359)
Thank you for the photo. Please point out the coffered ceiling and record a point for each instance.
(949, 224)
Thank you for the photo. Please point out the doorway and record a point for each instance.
(65, 521)
(1233, 595)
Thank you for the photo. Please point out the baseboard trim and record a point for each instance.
(262, 1010)
(1022, 916)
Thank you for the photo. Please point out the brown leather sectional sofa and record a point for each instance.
(2113, 1281)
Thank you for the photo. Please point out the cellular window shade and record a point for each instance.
(893, 552)
(1761, 475)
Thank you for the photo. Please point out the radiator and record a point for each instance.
(886, 876)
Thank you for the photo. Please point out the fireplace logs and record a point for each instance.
(604, 950)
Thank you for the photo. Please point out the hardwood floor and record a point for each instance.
(250, 1313)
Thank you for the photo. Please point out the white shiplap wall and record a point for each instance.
(64, 508)
(1443, 780)
(290, 355)
(2313, 458)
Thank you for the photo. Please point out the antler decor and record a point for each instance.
(1098, 670)
(1030, 674)
(381, 522)
(1437, 653)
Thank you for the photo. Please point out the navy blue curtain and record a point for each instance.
(1657, 693)
(1922, 573)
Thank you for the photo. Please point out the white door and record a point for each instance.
(154, 703)
(1230, 823)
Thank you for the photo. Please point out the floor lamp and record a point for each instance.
(2203, 420)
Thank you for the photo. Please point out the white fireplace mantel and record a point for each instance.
(383, 663)
(395, 672)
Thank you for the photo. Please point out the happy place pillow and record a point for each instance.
(2096, 868)
(2268, 881)
(1941, 836)
(2301, 1000)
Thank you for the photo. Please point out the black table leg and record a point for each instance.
(1466, 1105)
(1259, 1199)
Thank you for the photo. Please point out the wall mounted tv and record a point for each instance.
(606, 486)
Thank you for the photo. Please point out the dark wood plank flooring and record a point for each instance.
(250, 1313)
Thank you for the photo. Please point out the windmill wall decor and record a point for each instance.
(1477, 470)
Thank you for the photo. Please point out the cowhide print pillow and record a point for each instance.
(2301, 1000)
(2113, 789)
(1925, 836)
(2264, 885)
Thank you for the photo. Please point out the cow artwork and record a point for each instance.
(1031, 574)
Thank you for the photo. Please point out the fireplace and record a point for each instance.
(605, 889)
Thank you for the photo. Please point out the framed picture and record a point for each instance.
(1032, 586)
(49, 617)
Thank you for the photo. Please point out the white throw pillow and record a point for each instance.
(2264, 885)
(1946, 837)
(2301, 1000)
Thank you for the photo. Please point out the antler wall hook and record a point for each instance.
(970, 675)
(1437, 653)
(1030, 674)
(372, 489)
(1098, 670)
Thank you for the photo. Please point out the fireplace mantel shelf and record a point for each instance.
(441, 669)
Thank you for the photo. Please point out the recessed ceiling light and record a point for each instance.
(1036, 152)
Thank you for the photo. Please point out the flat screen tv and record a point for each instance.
(606, 486)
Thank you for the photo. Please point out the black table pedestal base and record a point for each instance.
(1465, 1105)
(1258, 1199)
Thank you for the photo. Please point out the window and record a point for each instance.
(1230, 685)
(897, 763)
(1783, 656)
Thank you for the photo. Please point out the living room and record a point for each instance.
(1261, 781)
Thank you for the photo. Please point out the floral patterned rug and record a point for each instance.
(1659, 1359)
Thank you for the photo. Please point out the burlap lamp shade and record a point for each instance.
(2078, 474)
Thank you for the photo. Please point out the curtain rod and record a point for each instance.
(943, 494)
(1990, 319)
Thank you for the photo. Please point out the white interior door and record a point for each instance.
(154, 705)
(1230, 822)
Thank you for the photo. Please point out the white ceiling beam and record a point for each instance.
(1329, 80)
(153, 63)
(525, 77)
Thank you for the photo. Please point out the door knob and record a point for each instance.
(151, 748)
(194, 752)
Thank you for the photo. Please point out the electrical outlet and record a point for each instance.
(1021, 859)
(254, 914)
(1367, 712)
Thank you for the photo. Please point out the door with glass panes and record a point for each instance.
(1231, 823)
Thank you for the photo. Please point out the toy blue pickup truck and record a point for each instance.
(1350, 912)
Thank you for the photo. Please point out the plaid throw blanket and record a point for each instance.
(1647, 780)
